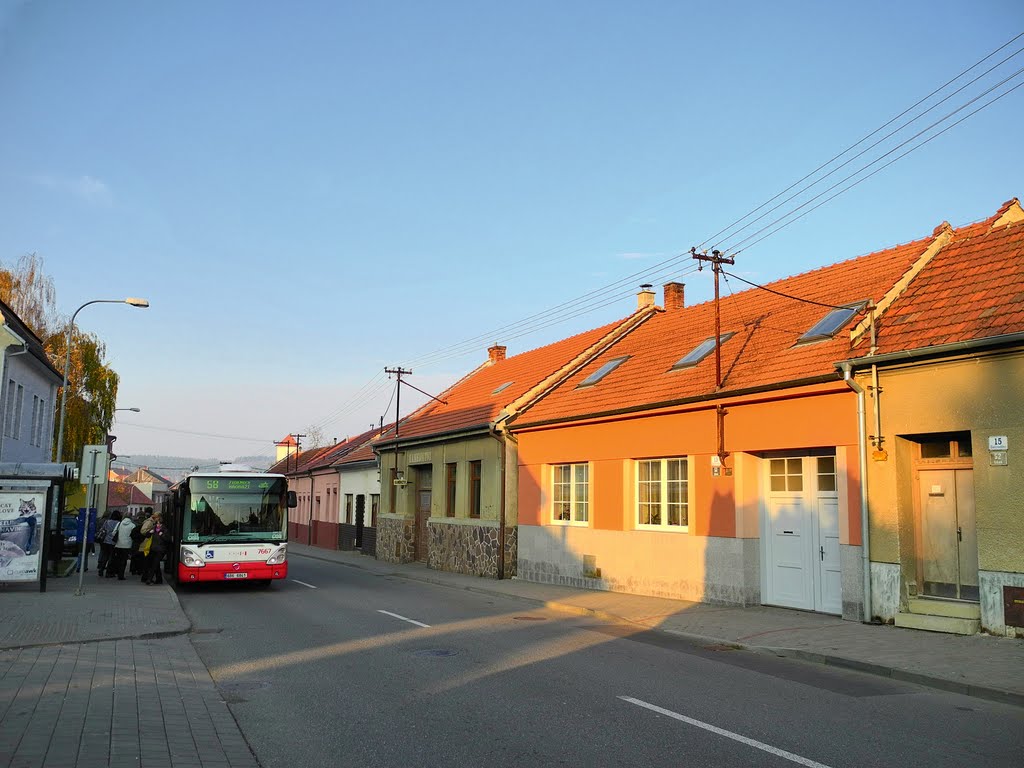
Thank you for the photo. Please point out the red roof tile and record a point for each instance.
(762, 351)
(126, 494)
(972, 289)
(475, 401)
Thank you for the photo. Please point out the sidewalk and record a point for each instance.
(979, 665)
(107, 678)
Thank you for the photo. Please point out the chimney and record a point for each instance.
(496, 353)
(674, 297)
(645, 298)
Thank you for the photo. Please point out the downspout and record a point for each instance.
(493, 432)
(862, 450)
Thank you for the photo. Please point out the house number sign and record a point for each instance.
(998, 443)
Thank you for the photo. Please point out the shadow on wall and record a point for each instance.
(675, 564)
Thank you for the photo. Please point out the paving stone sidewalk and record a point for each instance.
(134, 694)
(979, 665)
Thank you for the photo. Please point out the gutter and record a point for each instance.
(973, 345)
(432, 437)
(865, 529)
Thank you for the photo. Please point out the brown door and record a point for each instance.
(422, 515)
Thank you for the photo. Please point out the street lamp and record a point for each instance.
(67, 362)
(136, 410)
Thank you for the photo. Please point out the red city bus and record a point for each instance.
(228, 525)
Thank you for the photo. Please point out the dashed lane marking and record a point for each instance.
(403, 618)
(728, 734)
(305, 584)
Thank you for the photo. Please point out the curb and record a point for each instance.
(830, 660)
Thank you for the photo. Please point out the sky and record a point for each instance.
(310, 192)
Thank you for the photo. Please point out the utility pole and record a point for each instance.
(298, 444)
(716, 259)
(398, 373)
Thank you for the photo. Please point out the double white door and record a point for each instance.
(800, 535)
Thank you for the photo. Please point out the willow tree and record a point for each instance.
(92, 384)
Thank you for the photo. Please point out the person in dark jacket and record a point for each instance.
(105, 538)
(159, 538)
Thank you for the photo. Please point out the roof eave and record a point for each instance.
(938, 350)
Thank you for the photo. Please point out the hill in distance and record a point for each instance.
(176, 467)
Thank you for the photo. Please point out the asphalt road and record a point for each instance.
(338, 666)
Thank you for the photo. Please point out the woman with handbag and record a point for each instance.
(155, 546)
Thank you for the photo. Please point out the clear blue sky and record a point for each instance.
(307, 192)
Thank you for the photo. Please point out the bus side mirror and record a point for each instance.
(293, 500)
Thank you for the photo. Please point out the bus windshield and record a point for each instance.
(243, 509)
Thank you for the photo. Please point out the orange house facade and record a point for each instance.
(659, 470)
(792, 472)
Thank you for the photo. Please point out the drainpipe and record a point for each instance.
(862, 450)
(493, 432)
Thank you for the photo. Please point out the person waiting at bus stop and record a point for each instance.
(122, 547)
(154, 546)
(105, 537)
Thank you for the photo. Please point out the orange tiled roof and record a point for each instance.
(125, 494)
(763, 351)
(362, 446)
(472, 401)
(972, 289)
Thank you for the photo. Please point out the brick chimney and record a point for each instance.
(645, 298)
(674, 297)
(496, 353)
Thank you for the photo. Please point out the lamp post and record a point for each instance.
(136, 410)
(142, 303)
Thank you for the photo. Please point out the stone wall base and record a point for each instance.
(470, 549)
(396, 539)
(991, 585)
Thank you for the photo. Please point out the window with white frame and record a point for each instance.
(570, 493)
(663, 494)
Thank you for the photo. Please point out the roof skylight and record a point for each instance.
(699, 352)
(830, 324)
(503, 387)
(603, 371)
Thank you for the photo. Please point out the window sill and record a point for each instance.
(662, 528)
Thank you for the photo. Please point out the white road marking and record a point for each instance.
(305, 584)
(411, 621)
(728, 734)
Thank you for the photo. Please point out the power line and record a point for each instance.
(594, 299)
(780, 293)
(197, 434)
(865, 138)
(877, 170)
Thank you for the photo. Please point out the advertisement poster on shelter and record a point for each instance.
(21, 535)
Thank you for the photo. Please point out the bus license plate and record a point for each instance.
(236, 575)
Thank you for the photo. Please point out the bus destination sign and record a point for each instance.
(231, 484)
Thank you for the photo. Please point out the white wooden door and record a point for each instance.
(828, 592)
(801, 541)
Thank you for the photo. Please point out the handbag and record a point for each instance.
(144, 549)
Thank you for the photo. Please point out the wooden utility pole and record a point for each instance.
(716, 259)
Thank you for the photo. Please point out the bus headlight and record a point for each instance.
(191, 560)
(278, 557)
